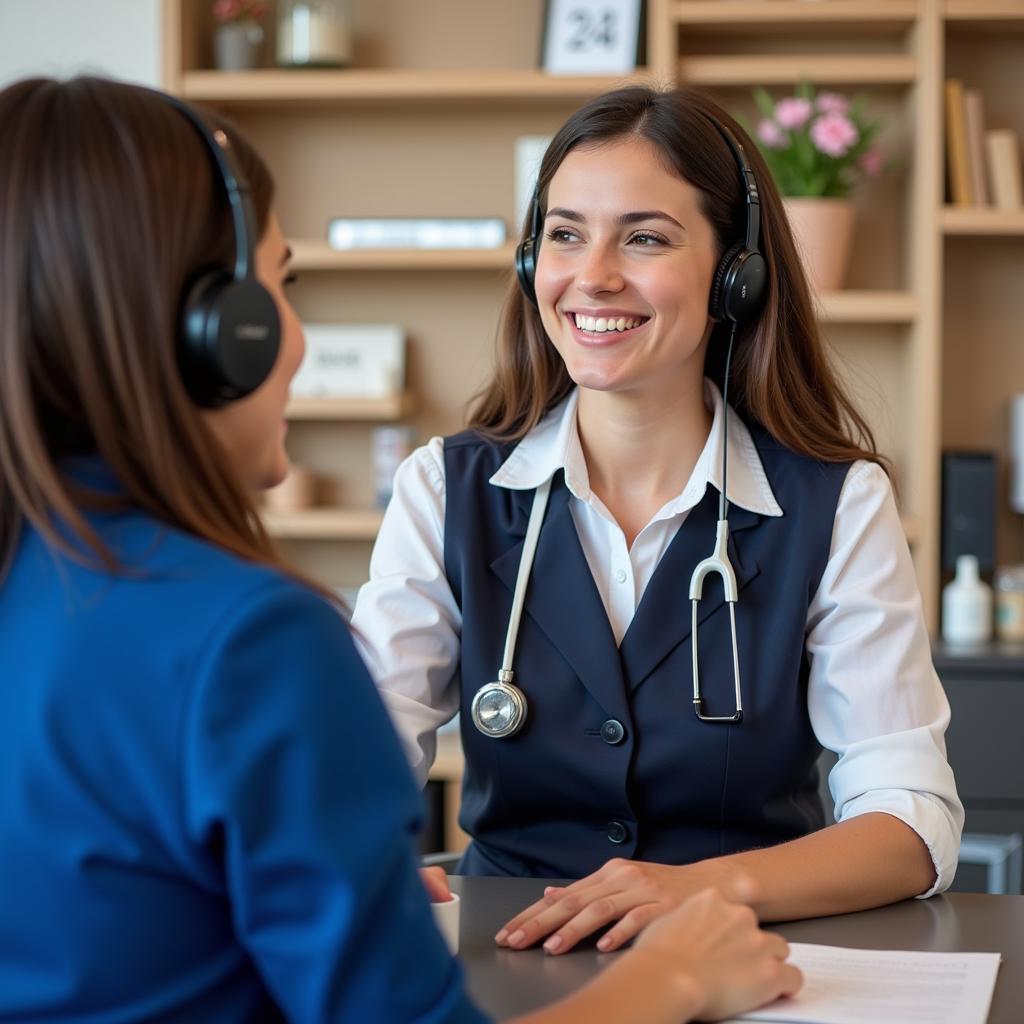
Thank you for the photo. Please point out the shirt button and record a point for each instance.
(612, 732)
(620, 576)
(617, 832)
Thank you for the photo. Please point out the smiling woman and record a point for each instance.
(664, 452)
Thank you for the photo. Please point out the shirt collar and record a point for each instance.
(555, 444)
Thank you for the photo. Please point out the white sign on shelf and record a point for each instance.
(591, 37)
(530, 150)
(351, 361)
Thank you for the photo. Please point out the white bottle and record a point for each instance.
(966, 606)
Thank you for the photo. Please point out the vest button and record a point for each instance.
(617, 832)
(612, 732)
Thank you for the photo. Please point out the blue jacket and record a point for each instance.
(204, 813)
(612, 760)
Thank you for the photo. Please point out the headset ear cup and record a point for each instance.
(526, 268)
(745, 287)
(228, 339)
(738, 285)
(716, 298)
(195, 359)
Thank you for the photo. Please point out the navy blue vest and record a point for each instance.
(612, 760)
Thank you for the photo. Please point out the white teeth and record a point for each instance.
(601, 324)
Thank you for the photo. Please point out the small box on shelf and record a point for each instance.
(355, 361)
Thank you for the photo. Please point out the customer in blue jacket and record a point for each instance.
(204, 814)
(662, 384)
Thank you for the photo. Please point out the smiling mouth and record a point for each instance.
(598, 325)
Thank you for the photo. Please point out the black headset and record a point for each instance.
(229, 330)
(738, 284)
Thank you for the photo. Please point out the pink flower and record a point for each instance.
(225, 10)
(871, 162)
(793, 112)
(770, 134)
(834, 134)
(236, 10)
(832, 103)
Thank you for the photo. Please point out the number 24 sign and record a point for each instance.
(591, 37)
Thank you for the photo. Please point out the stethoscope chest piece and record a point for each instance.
(499, 709)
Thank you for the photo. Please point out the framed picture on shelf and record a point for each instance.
(592, 37)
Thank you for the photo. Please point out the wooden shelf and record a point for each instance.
(323, 524)
(867, 307)
(837, 69)
(448, 762)
(392, 407)
(984, 11)
(313, 254)
(757, 13)
(981, 220)
(911, 529)
(268, 87)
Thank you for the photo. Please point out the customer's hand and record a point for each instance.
(716, 944)
(629, 893)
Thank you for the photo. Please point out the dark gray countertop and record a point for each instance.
(505, 983)
(1001, 658)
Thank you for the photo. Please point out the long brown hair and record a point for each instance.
(780, 375)
(108, 206)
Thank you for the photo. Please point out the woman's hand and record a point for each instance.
(630, 893)
(716, 945)
(435, 881)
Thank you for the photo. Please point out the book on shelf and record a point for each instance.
(416, 233)
(974, 115)
(957, 152)
(1003, 151)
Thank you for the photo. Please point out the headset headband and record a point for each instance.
(747, 182)
(243, 219)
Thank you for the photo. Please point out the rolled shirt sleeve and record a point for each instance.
(873, 695)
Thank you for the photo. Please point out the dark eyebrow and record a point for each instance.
(625, 218)
(288, 254)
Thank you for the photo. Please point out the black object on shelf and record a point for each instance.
(968, 508)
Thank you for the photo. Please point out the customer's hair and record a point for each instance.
(780, 375)
(108, 206)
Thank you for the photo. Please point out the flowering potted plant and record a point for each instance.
(239, 33)
(818, 147)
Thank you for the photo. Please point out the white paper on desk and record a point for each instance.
(885, 986)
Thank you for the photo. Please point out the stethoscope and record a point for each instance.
(499, 708)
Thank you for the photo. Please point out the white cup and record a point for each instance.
(447, 917)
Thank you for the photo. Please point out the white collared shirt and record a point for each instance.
(873, 695)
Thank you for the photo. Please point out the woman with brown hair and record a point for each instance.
(663, 567)
(204, 812)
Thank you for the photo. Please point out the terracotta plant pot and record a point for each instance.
(823, 231)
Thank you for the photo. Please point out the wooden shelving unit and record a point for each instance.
(392, 407)
(417, 130)
(997, 13)
(312, 254)
(957, 220)
(867, 307)
(270, 88)
(323, 524)
(838, 69)
(795, 13)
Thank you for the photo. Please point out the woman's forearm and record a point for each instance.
(863, 862)
(632, 988)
